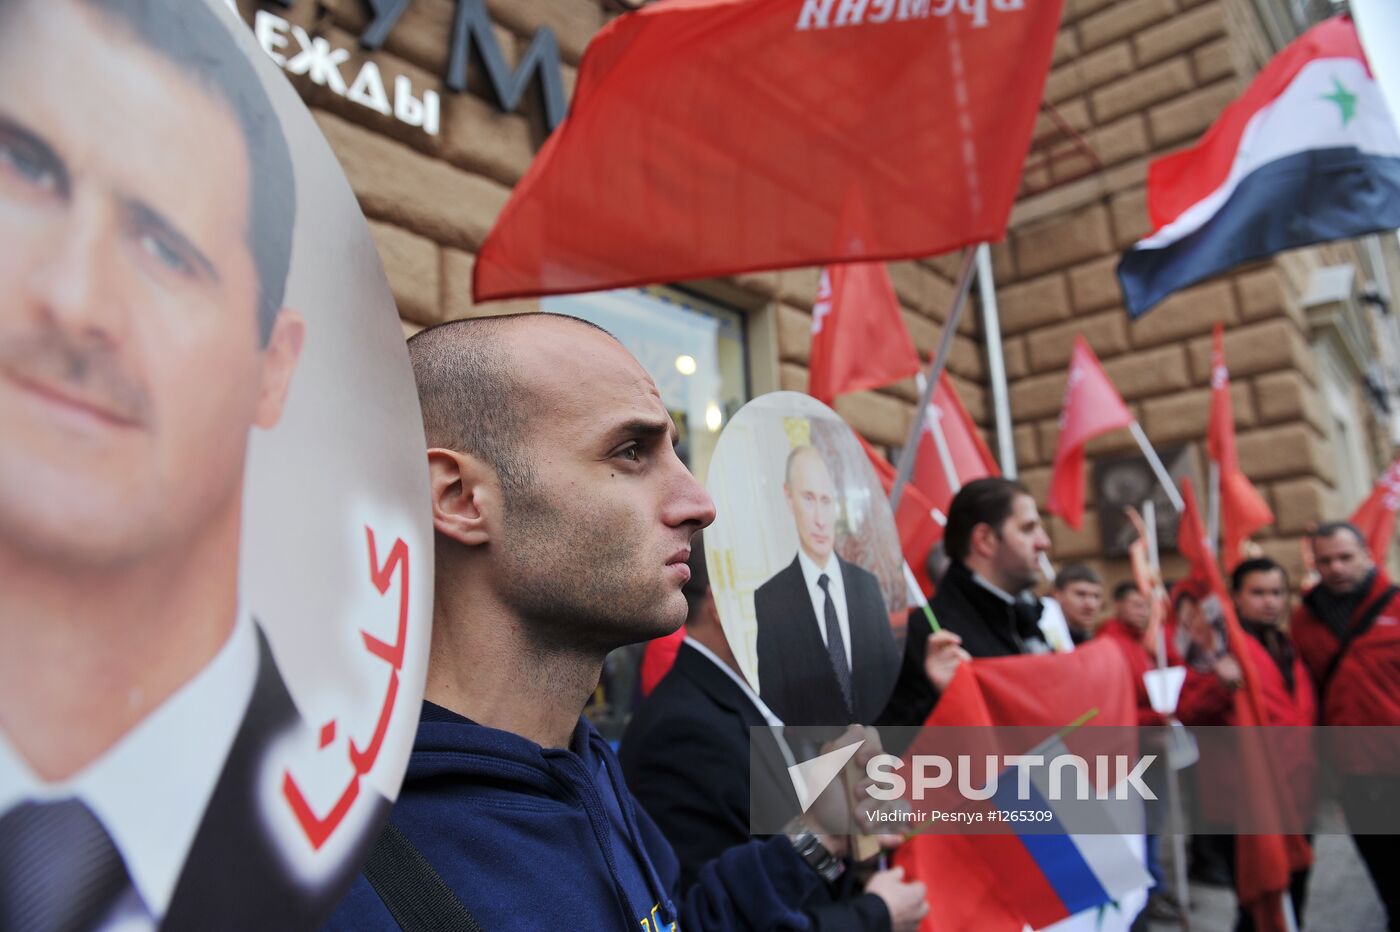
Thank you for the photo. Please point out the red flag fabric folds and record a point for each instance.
(859, 338)
(712, 137)
(968, 454)
(1242, 509)
(1375, 518)
(1092, 406)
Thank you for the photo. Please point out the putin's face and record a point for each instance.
(811, 494)
(130, 361)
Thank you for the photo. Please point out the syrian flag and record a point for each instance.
(1307, 155)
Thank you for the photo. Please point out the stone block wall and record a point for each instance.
(1139, 79)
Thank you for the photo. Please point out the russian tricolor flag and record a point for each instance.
(1079, 859)
(1308, 154)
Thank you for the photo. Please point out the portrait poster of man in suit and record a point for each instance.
(214, 647)
(824, 646)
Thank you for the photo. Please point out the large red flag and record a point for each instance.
(859, 338)
(712, 137)
(1375, 519)
(1265, 862)
(1092, 406)
(1242, 509)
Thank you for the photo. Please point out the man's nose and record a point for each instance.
(689, 503)
(74, 281)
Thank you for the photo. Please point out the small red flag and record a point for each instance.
(967, 451)
(859, 338)
(1242, 509)
(713, 137)
(1092, 406)
(1375, 519)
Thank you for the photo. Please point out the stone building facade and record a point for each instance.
(1134, 78)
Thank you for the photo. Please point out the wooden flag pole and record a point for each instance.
(935, 371)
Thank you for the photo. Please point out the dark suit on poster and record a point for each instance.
(235, 875)
(795, 677)
(686, 756)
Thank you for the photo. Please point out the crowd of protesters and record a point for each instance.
(515, 813)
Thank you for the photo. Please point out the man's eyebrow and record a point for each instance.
(146, 215)
(639, 428)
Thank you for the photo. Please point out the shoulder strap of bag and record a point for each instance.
(1363, 624)
(417, 897)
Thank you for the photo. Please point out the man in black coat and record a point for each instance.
(994, 539)
(686, 758)
(826, 654)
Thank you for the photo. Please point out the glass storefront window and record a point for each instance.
(694, 351)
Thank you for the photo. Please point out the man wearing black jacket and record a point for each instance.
(686, 759)
(994, 539)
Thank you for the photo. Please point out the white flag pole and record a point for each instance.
(1155, 462)
(935, 371)
(996, 363)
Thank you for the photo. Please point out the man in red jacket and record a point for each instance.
(1128, 629)
(1259, 588)
(1348, 634)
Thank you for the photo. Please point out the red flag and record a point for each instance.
(987, 882)
(1265, 862)
(658, 657)
(1375, 519)
(712, 137)
(1091, 407)
(1242, 509)
(967, 451)
(916, 519)
(859, 338)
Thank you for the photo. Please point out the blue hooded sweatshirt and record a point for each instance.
(533, 838)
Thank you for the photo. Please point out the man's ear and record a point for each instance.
(279, 362)
(984, 539)
(466, 496)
